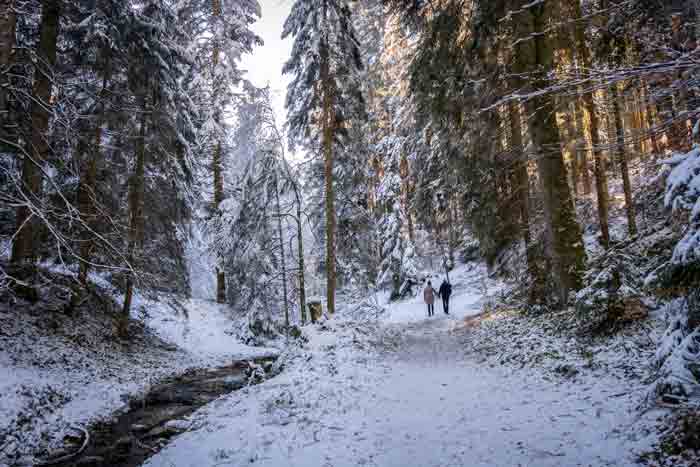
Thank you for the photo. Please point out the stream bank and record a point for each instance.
(146, 426)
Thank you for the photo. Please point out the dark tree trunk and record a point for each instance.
(564, 233)
(622, 160)
(583, 56)
(136, 216)
(8, 24)
(328, 133)
(24, 248)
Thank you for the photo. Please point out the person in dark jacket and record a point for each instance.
(444, 292)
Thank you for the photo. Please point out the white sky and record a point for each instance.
(264, 66)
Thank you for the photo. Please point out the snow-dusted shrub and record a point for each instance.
(683, 196)
(397, 269)
(677, 357)
(612, 295)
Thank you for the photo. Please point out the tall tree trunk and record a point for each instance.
(218, 198)
(569, 147)
(649, 110)
(564, 233)
(582, 147)
(217, 163)
(612, 139)
(522, 200)
(87, 202)
(635, 111)
(300, 252)
(8, 24)
(622, 158)
(136, 216)
(283, 260)
(24, 249)
(583, 56)
(328, 133)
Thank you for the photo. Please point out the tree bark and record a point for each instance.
(300, 252)
(570, 148)
(218, 198)
(24, 249)
(582, 148)
(637, 124)
(648, 112)
(8, 24)
(217, 165)
(622, 159)
(564, 233)
(136, 215)
(87, 190)
(522, 200)
(87, 202)
(283, 260)
(584, 58)
(328, 132)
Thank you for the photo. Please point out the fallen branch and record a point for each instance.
(67, 457)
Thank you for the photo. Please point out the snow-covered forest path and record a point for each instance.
(405, 393)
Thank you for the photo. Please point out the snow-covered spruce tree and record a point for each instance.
(397, 251)
(221, 35)
(156, 65)
(249, 232)
(678, 354)
(683, 197)
(324, 96)
(97, 33)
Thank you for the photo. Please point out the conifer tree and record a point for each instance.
(324, 96)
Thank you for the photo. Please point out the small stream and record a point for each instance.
(130, 438)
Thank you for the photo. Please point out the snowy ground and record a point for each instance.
(58, 371)
(404, 392)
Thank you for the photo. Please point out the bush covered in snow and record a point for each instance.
(677, 357)
(683, 198)
(612, 295)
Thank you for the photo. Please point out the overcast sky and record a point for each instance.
(265, 64)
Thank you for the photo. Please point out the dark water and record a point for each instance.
(130, 438)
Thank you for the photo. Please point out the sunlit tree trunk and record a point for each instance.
(569, 147)
(583, 56)
(637, 122)
(650, 112)
(564, 233)
(582, 148)
(622, 160)
(24, 248)
(522, 200)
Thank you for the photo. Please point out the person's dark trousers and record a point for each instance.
(446, 304)
(431, 309)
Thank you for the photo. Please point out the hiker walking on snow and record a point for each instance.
(429, 297)
(444, 292)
